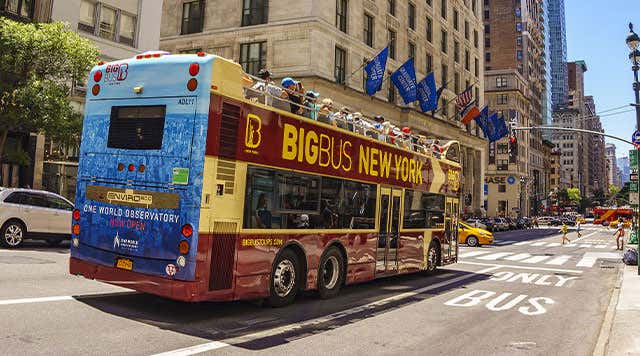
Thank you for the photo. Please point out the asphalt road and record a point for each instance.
(524, 295)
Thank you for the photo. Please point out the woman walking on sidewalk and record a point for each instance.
(619, 234)
(564, 233)
(578, 228)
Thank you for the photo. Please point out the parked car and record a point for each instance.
(33, 214)
(501, 224)
(528, 222)
(473, 221)
(472, 236)
(521, 223)
(489, 223)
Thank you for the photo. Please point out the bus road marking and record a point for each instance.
(321, 320)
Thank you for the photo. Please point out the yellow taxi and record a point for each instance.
(473, 236)
(614, 223)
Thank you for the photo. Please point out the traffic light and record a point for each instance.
(512, 132)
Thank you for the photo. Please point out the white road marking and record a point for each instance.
(495, 256)
(570, 245)
(585, 245)
(539, 243)
(522, 243)
(601, 246)
(473, 253)
(558, 261)
(521, 267)
(518, 257)
(323, 319)
(590, 258)
(536, 259)
(503, 242)
(554, 244)
(35, 300)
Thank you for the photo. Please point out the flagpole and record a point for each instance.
(454, 98)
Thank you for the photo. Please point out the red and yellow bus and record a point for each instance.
(189, 191)
(603, 215)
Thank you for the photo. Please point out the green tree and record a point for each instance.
(38, 63)
(613, 190)
(574, 195)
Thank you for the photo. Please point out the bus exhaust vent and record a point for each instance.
(227, 173)
(223, 255)
(229, 130)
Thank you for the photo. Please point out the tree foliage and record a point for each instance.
(38, 63)
(613, 190)
(574, 195)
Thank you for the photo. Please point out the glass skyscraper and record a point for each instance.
(558, 53)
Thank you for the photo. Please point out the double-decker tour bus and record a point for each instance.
(605, 215)
(188, 190)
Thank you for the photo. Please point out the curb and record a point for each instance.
(602, 345)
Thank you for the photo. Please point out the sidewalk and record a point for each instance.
(624, 337)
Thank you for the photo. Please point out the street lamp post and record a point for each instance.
(633, 41)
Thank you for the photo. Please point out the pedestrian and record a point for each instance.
(578, 227)
(619, 234)
(564, 233)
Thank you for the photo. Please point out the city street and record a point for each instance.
(526, 294)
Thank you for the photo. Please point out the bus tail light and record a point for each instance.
(76, 229)
(97, 76)
(201, 54)
(141, 168)
(183, 247)
(120, 167)
(95, 90)
(187, 230)
(192, 84)
(194, 69)
(76, 214)
(131, 167)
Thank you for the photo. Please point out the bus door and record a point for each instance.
(450, 248)
(388, 231)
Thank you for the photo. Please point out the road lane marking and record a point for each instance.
(590, 258)
(554, 244)
(558, 261)
(495, 256)
(601, 246)
(503, 242)
(36, 300)
(321, 320)
(539, 243)
(518, 257)
(521, 267)
(585, 245)
(523, 243)
(473, 253)
(535, 259)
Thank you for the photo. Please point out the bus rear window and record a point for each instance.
(136, 127)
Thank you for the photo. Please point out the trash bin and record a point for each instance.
(633, 239)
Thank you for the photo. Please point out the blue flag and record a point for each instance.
(483, 121)
(492, 128)
(375, 71)
(427, 93)
(405, 80)
(501, 128)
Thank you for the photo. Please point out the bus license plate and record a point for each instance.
(124, 263)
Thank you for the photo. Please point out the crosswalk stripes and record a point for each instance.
(506, 242)
(559, 260)
(495, 256)
(542, 243)
(586, 244)
(536, 259)
(518, 257)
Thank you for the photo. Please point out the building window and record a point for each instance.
(519, 54)
(19, 8)
(391, 7)
(518, 12)
(429, 30)
(391, 38)
(502, 99)
(412, 16)
(192, 17)
(253, 56)
(455, 19)
(487, 29)
(341, 15)
(443, 41)
(519, 26)
(467, 60)
(466, 30)
(368, 30)
(126, 29)
(477, 96)
(502, 148)
(502, 188)
(487, 42)
(429, 2)
(486, 14)
(501, 82)
(456, 82)
(254, 12)
(444, 74)
(87, 21)
(445, 108)
(519, 41)
(476, 66)
(412, 50)
(429, 63)
(391, 92)
(473, 7)
(502, 165)
(475, 38)
(340, 65)
(456, 51)
(443, 9)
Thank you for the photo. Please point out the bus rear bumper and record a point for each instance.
(164, 287)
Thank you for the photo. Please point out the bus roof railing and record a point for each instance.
(263, 92)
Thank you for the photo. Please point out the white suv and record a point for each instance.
(33, 214)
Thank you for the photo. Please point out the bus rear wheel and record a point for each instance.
(284, 279)
(433, 254)
(331, 273)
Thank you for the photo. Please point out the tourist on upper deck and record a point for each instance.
(311, 108)
(294, 91)
(405, 142)
(326, 115)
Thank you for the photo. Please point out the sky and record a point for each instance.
(596, 33)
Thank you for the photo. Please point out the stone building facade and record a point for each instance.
(326, 43)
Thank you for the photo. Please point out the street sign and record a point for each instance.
(634, 198)
(633, 159)
(633, 186)
(636, 137)
(633, 177)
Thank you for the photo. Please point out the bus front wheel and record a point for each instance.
(331, 273)
(284, 279)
